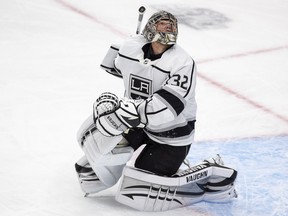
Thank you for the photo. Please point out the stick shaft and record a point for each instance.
(140, 18)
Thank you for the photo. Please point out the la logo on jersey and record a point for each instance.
(140, 87)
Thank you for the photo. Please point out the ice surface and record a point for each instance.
(50, 52)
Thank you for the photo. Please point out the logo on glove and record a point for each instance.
(112, 122)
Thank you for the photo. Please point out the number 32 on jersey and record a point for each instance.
(181, 81)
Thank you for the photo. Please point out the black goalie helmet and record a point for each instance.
(166, 38)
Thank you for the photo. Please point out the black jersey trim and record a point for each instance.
(173, 100)
(176, 132)
(164, 71)
(115, 48)
(191, 79)
(127, 57)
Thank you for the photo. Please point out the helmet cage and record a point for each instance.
(166, 38)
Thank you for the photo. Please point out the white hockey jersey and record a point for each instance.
(167, 85)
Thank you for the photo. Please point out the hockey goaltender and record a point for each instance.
(156, 113)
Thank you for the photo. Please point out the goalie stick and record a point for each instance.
(140, 18)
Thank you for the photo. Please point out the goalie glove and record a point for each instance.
(114, 116)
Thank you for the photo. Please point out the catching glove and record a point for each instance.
(113, 116)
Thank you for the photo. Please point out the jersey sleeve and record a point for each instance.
(109, 60)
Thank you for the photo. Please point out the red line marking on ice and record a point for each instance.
(242, 97)
(93, 18)
(211, 81)
(243, 54)
(236, 94)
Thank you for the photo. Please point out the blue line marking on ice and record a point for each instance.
(262, 182)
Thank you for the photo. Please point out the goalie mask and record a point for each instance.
(150, 30)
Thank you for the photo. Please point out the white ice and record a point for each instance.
(50, 52)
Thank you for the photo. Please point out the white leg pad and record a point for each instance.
(149, 192)
(97, 142)
(88, 180)
(96, 177)
(109, 167)
(104, 155)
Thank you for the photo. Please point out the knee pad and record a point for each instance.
(106, 156)
(104, 172)
(109, 167)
